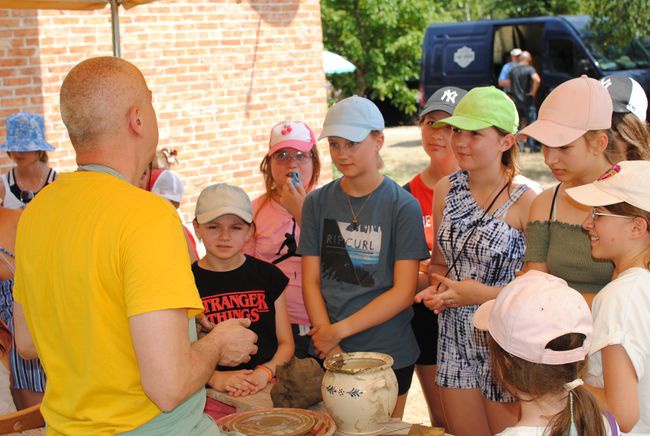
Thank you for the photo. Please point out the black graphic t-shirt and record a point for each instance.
(249, 292)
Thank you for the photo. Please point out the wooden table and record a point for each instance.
(262, 400)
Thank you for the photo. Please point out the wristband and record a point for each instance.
(267, 370)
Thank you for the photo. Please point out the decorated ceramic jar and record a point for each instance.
(359, 391)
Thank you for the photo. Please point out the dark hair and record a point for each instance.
(634, 132)
(537, 380)
(269, 184)
(627, 209)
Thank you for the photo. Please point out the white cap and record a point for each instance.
(515, 52)
(223, 199)
(627, 181)
(168, 186)
(531, 311)
(352, 118)
(627, 95)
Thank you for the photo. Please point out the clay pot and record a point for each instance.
(359, 391)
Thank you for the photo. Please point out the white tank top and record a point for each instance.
(10, 201)
(6, 400)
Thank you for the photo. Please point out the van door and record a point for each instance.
(456, 55)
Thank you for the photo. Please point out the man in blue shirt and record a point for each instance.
(504, 81)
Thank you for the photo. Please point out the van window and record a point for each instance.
(610, 56)
(560, 56)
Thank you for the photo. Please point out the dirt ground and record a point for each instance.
(403, 158)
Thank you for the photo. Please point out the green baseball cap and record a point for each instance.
(484, 107)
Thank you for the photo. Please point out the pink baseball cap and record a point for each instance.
(571, 110)
(291, 134)
(626, 181)
(530, 312)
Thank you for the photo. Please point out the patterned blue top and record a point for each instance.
(27, 374)
(495, 251)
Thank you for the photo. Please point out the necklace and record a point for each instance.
(355, 215)
(26, 195)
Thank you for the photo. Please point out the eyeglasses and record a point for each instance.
(347, 146)
(595, 214)
(284, 156)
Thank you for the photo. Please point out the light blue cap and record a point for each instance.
(352, 118)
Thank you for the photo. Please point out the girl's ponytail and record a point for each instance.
(581, 416)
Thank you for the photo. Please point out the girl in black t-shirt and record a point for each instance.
(233, 285)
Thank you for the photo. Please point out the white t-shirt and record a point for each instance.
(539, 431)
(622, 317)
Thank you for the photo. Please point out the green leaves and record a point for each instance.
(384, 40)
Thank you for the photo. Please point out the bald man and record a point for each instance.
(525, 82)
(104, 292)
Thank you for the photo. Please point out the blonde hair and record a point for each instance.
(634, 133)
(627, 209)
(612, 152)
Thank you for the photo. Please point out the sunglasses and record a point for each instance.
(26, 196)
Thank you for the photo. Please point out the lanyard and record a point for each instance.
(102, 169)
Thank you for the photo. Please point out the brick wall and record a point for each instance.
(222, 72)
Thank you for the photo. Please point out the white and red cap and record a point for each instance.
(531, 311)
(627, 181)
(291, 134)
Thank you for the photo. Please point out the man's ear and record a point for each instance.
(135, 122)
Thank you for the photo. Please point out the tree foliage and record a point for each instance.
(620, 20)
(384, 40)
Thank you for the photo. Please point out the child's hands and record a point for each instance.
(203, 325)
(236, 383)
(430, 297)
(325, 338)
(291, 197)
(261, 377)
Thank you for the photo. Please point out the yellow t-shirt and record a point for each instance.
(91, 251)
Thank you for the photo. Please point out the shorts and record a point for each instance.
(425, 328)
(404, 377)
(463, 361)
(301, 343)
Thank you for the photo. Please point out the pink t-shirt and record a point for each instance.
(272, 223)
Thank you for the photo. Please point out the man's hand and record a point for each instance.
(235, 340)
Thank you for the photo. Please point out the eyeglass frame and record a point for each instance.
(301, 157)
(595, 213)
